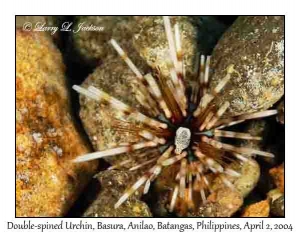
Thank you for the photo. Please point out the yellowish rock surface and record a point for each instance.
(47, 182)
(259, 209)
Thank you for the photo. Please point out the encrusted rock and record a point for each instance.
(244, 184)
(277, 206)
(259, 209)
(224, 202)
(50, 24)
(47, 182)
(145, 35)
(151, 41)
(114, 183)
(274, 194)
(278, 175)
(36, 21)
(256, 128)
(250, 173)
(115, 78)
(276, 198)
(254, 45)
(247, 181)
(249, 170)
(93, 44)
(33, 19)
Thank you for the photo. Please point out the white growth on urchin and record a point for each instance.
(182, 139)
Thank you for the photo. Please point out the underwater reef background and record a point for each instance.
(54, 125)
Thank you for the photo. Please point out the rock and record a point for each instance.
(114, 183)
(259, 209)
(277, 206)
(151, 41)
(120, 179)
(280, 117)
(274, 194)
(37, 21)
(266, 128)
(247, 181)
(143, 35)
(113, 77)
(278, 175)
(257, 128)
(255, 46)
(276, 198)
(224, 202)
(250, 173)
(49, 24)
(47, 182)
(93, 45)
(33, 19)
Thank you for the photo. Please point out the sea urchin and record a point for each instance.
(181, 128)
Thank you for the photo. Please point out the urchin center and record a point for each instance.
(182, 139)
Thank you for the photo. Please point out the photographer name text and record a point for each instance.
(65, 27)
